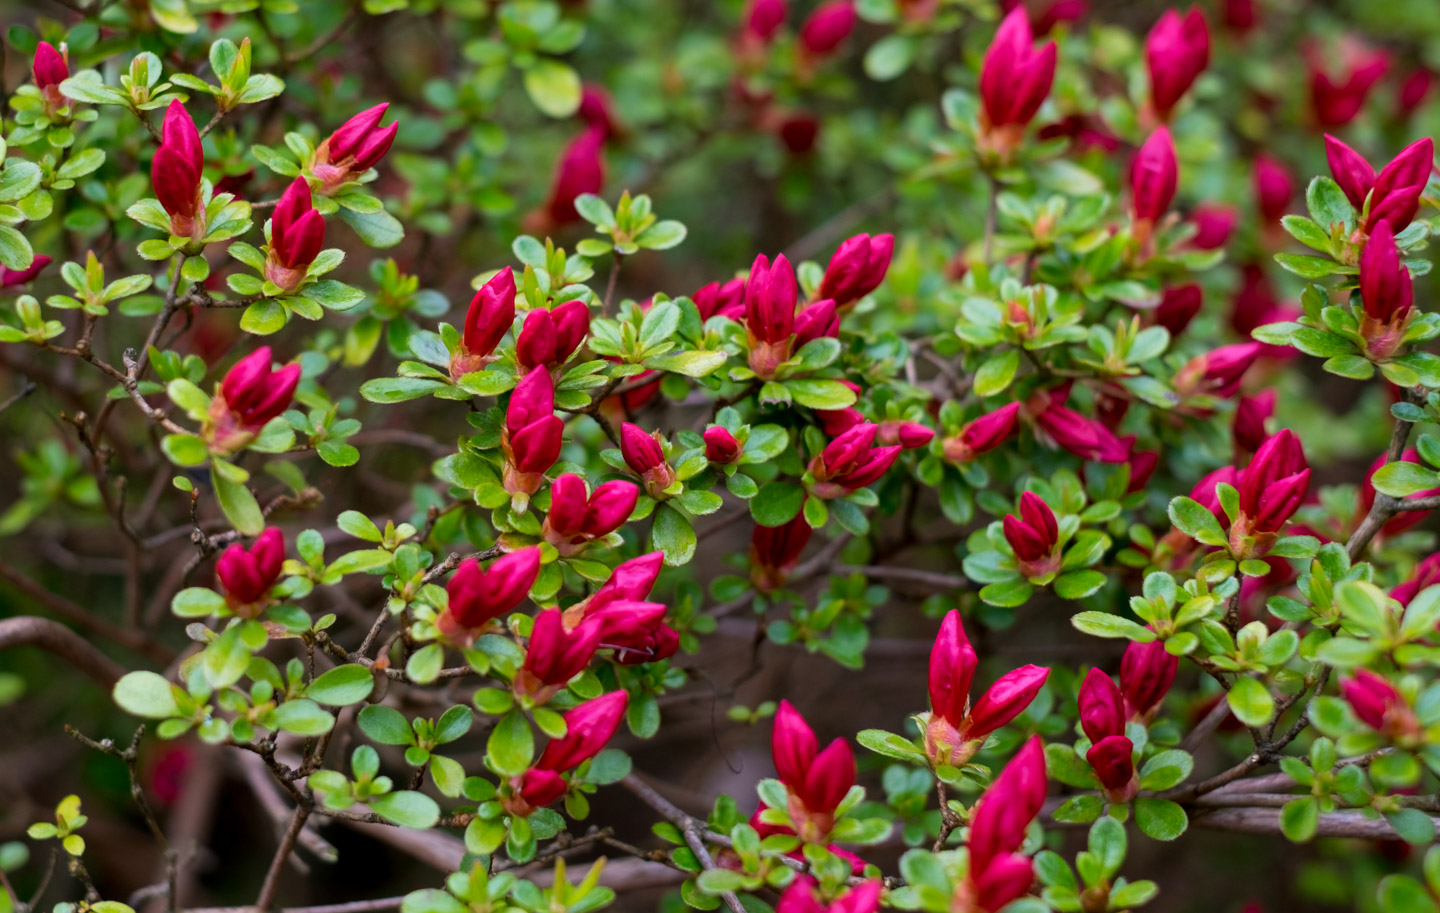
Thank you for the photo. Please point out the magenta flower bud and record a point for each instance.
(248, 576)
(1178, 306)
(1084, 437)
(1380, 705)
(1274, 188)
(982, 434)
(1205, 491)
(849, 463)
(581, 169)
(533, 432)
(555, 655)
(1034, 536)
(763, 19)
(1413, 91)
(660, 642)
(9, 278)
(491, 313)
(1007, 878)
(1218, 372)
(1386, 293)
(1425, 575)
(952, 669)
(1336, 101)
(857, 269)
(646, 458)
(1146, 673)
(835, 422)
(1272, 487)
(1102, 706)
(297, 233)
(1394, 193)
(353, 149)
(909, 435)
(1004, 811)
(597, 111)
(1350, 170)
(49, 69)
(816, 320)
(588, 728)
(1214, 224)
(1251, 413)
(549, 338)
(176, 170)
(577, 518)
(1143, 464)
(1154, 175)
(800, 897)
(631, 580)
(533, 790)
(717, 300)
(775, 550)
(771, 293)
(1014, 80)
(478, 596)
(1005, 700)
(1112, 759)
(817, 781)
(252, 394)
(1177, 51)
(1239, 15)
(721, 446)
(827, 27)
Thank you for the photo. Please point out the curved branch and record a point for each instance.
(55, 638)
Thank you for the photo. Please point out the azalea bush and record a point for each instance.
(547, 456)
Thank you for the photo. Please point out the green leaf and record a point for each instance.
(1251, 701)
(1078, 584)
(1309, 267)
(889, 57)
(512, 745)
(673, 535)
(1299, 819)
(377, 229)
(1103, 624)
(407, 809)
(554, 88)
(663, 235)
(239, 505)
(146, 694)
(821, 394)
(264, 317)
(197, 602)
(1327, 203)
(341, 686)
(15, 251)
(184, 449)
(1403, 478)
(1193, 519)
(303, 717)
(399, 389)
(385, 725)
(1160, 819)
(777, 503)
(996, 373)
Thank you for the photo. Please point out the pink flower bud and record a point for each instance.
(1084, 437)
(549, 338)
(555, 655)
(909, 435)
(849, 463)
(1255, 302)
(1154, 174)
(1274, 188)
(1143, 464)
(982, 434)
(1251, 413)
(576, 519)
(1007, 878)
(827, 27)
(1218, 372)
(491, 313)
(1112, 759)
(252, 394)
(1178, 306)
(646, 458)
(297, 233)
(717, 300)
(1146, 673)
(721, 446)
(799, 131)
(532, 790)
(1214, 224)
(1034, 536)
(1005, 700)
(248, 576)
(588, 728)
(659, 642)
(1102, 706)
(1177, 50)
(817, 780)
(631, 580)
(597, 111)
(952, 669)
(1014, 78)
(857, 269)
(775, 550)
(1413, 91)
(1272, 487)
(1378, 704)
(1239, 16)
(800, 897)
(9, 278)
(1386, 292)
(353, 149)
(477, 596)
(1396, 195)
(176, 170)
(1005, 810)
(1336, 100)
(49, 69)
(1425, 575)
(1205, 491)
(581, 169)
(533, 432)
(816, 320)
(763, 19)
(770, 297)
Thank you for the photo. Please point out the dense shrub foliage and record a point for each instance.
(448, 429)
